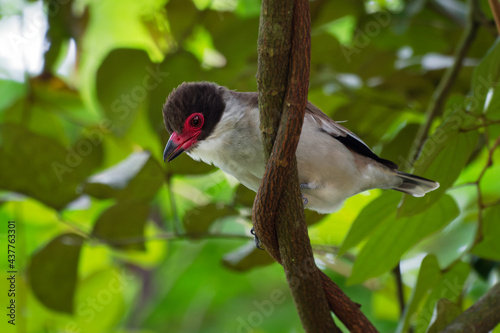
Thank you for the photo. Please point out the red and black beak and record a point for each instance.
(177, 144)
(172, 150)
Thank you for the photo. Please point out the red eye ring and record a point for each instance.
(196, 120)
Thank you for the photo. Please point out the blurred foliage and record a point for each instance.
(110, 239)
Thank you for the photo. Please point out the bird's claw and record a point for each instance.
(305, 186)
(256, 239)
(304, 200)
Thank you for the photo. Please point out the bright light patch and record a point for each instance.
(342, 29)
(22, 39)
(489, 96)
(200, 44)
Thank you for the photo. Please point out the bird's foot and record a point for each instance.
(256, 239)
(305, 186)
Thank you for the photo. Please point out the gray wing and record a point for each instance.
(342, 134)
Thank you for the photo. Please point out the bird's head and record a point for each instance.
(191, 112)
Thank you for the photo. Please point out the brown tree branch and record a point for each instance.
(481, 317)
(283, 76)
(495, 9)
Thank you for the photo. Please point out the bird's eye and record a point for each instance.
(195, 121)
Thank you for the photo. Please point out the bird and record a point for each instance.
(219, 126)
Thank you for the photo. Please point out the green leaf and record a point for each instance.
(342, 29)
(486, 75)
(100, 299)
(244, 196)
(449, 286)
(444, 313)
(56, 97)
(134, 180)
(372, 215)
(389, 242)
(122, 225)
(443, 157)
(42, 168)
(143, 187)
(181, 15)
(123, 82)
(399, 146)
(53, 272)
(11, 91)
(427, 277)
(185, 165)
(489, 247)
(246, 258)
(198, 220)
(313, 217)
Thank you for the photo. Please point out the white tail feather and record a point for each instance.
(415, 185)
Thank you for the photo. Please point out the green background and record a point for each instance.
(111, 239)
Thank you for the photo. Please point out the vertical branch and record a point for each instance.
(278, 216)
(283, 79)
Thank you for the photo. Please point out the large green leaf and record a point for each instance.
(486, 76)
(449, 286)
(11, 91)
(373, 215)
(445, 312)
(136, 179)
(42, 168)
(489, 247)
(432, 285)
(185, 165)
(101, 301)
(122, 225)
(427, 277)
(244, 196)
(53, 272)
(123, 83)
(246, 258)
(386, 246)
(197, 221)
(400, 145)
(442, 159)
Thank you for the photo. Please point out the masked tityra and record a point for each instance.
(221, 127)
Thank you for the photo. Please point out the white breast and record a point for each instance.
(235, 146)
(324, 163)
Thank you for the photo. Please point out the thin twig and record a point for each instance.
(484, 124)
(400, 288)
(441, 93)
(173, 205)
(477, 183)
(174, 237)
(495, 9)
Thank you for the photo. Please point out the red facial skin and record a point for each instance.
(183, 141)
